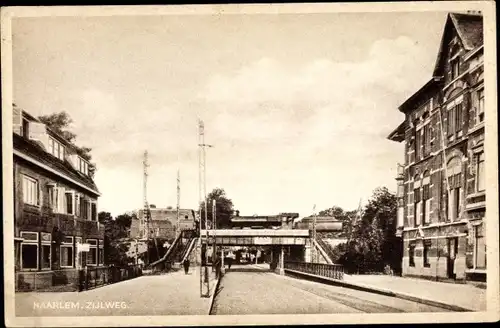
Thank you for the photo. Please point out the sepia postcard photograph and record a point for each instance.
(193, 165)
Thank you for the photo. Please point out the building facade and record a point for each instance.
(162, 223)
(441, 186)
(55, 205)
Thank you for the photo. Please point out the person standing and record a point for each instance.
(186, 265)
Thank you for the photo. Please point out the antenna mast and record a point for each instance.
(204, 284)
(178, 200)
(146, 215)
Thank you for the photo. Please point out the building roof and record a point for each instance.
(36, 152)
(168, 214)
(469, 28)
(430, 85)
(399, 133)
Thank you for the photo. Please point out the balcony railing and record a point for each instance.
(334, 271)
(66, 223)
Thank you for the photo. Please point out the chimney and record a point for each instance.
(17, 120)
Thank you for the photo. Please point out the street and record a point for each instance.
(251, 289)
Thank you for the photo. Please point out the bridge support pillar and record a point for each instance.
(282, 261)
(222, 267)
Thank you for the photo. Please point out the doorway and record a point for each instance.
(452, 254)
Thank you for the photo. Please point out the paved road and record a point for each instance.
(169, 294)
(251, 289)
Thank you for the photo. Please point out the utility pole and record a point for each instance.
(178, 201)
(314, 257)
(214, 249)
(146, 215)
(204, 281)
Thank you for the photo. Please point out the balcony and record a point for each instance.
(400, 175)
(68, 224)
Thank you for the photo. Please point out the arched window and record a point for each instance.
(426, 198)
(417, 201)
(454, 173)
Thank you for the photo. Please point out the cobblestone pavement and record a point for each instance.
(251, 289)
(169, 294)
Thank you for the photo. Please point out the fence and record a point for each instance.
(74, 279)
(335, 271)
(94, 277)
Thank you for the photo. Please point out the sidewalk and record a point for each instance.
(169, 294)
(457, 296)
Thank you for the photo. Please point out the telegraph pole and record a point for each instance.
(178, 201)
(204, 281)
(314, 257)
(214, 217)
(145, 201)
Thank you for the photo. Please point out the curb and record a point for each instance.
(212, 297)
(381, 291)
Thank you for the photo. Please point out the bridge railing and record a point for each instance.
(334, 271)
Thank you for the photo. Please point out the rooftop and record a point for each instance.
(35, 151)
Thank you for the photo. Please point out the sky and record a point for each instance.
(297, 106)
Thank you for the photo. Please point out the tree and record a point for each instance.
(373, 244)
(59, 123)
(116, 230)
(223, 208)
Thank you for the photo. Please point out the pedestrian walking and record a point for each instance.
(229, 262)
(186, 265)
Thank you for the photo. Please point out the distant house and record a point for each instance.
(162, 223)
(55, 204)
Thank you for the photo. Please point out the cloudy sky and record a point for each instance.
(298, 106)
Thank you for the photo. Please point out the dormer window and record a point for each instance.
(56, 148)
(83, 166)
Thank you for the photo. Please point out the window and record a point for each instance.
(92, 255)
(426, 206)
(426, 253)
(30, 191)
(67, 252)
(454, 199)
(29, 251)
(480, 247)
(455, 69)
(83, 166)
(69, 202)
(94, 211)
(56, 148)
(458, 117)
(418, 203)
(427, 140)
(480, 106)
(480, 173)
(450, 121)
(418, 144)
(46, 250)
(411, 254)
(101, 252)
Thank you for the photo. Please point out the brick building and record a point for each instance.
(162, 222)
(441, 186)
(55, 206)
